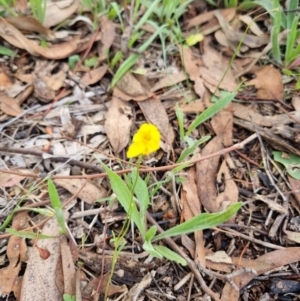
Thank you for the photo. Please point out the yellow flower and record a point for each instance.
(145, 141)
(194, 39)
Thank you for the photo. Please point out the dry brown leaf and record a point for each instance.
(16, 254)
(39, 282)
(26, 23)
(169, 80)
(59, 11)
(219, 257)
(90, 193)
(206, 175)
(56, 81)
(228, 193)
(5, 81)
(118, 123)
(214, 71)
(132, 87)
(42, 91)
(58, 51)
(261, 265)
(268, 83)
(155, 113)
(192, 207)
(249, 114)
(222, 123)
(234, 37)
(94, 75)
(228, 14)
(68, 267)
(9, 106)
(91, 288)
(107, 37)
(292, 236)
(192, 67)
(9, 180)
(248, 20)
(295, 185)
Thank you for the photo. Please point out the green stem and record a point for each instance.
(118, 241)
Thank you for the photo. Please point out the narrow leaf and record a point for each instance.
(200, 222)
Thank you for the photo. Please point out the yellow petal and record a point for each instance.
(194, 39)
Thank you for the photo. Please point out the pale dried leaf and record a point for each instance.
(206, 175)
(229, 195)
(9, 106)
(90, 193)
(169, 80)
(107, 37)
(69, 272)
(26, 23)
(218, 257)
(94, 75)
(39, 282)
(58, 51)
(228, 14)
(155, 113)
(59, 11)
(192, 207)
(5, 81)
(248, 20)
(132, 87)
(118, 123)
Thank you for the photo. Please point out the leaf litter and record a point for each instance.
(60, 119)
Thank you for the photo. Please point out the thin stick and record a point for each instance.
(149, 169)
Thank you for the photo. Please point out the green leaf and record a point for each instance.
(150, 233)
(56, 204)
(141, 192)
(26, 234)
(67, 297)
(211, 111)
(169, 254)
(73, 60)
(132, 59)
(125, 198)
(200, 222)
(180, 118)
(290, 161)
(6, 51)
(148, 247)
(190, 150)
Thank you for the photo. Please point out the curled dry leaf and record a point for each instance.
(169, 80)
(214, 70)
(107, 37)
(228, 14)
(268, 82)
(59, 11)
(132, 87)
(118, 123)
(94, 75)
(192, 207)
(58, 51)
(206, 175)
(5, 81)
(228, 193)
(29, 24)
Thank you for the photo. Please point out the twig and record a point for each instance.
(39, 153)
(191, 263)
(124, 171)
